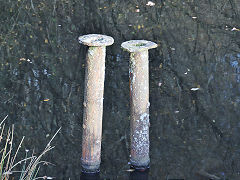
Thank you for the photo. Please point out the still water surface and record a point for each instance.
(194, 82)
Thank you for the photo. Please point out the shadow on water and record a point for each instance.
(139, 175)
(88, 176)
(134, 175)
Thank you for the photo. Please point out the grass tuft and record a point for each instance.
(31, 165)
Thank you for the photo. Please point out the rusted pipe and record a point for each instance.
(93, 99)
(139, 101)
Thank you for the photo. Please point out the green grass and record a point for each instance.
(29, 165)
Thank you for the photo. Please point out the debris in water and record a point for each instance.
(137, 10)
(150, 3)
(130, 170)
(235, 29)
(194, 89)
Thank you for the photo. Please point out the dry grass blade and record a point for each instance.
(3, 120)
(5, 153)
(9, 153)
(30, 169)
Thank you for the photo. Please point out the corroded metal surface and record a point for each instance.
(93, 108)
(139, 101)
(96, 40)
(93, 99)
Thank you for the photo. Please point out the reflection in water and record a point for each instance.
(235, 63)
(192, 131)
(134, 175)
(89, 176)
(139, 175)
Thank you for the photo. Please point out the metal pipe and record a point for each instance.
(139, 101)
(93, 99)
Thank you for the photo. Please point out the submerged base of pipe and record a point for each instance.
(90, 169)
(142, 166)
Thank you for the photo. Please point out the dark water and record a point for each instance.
(191, 133)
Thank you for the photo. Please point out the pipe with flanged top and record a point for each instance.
(93, 99)
(139, 101)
